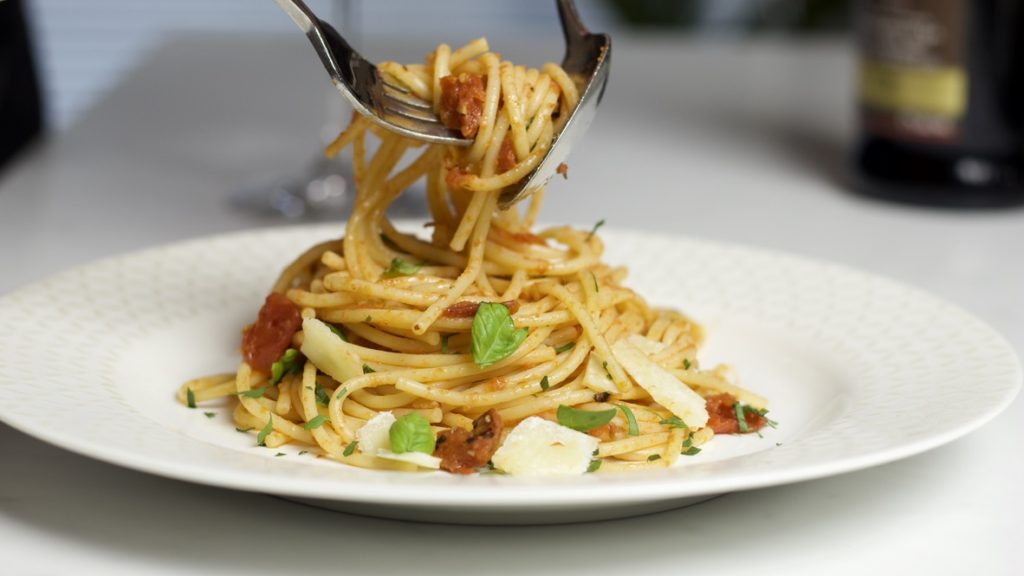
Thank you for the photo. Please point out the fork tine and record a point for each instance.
(407, 98)
(401, 108)
(572, 25)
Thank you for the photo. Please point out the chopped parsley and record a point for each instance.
(594, 465)
(337, 332)
(209, 414)
(444, 343)
(686, 364)
(286, 364)
(367, 369)
(190, 398)
(595, 228)
(673, 421)
(254, 393)
(350, 448)
(565, 347)
(399, 267)
(279, 454)
(321, 395)
(654, 457)
(691, 451)
(741, 417)
(261, 438)
(315, 422)
(544, 384)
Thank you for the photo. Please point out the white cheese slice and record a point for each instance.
(329, 353)
(596, 377)
(418, 458)
(539, 447)
(665, 388)
(375, 435)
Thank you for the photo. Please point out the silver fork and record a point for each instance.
(586, 60)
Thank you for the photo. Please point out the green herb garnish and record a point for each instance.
(301, 452)
(322, 396)
(254, 393)
(565, 347)
(350, 448)
(741, 417)
(367, 369)
(315, 422)
(400, 267)
(634, 430)
(691, 451)
(673, 421)
(411, 433)
(495, 336)
(286, 364)
(279, 454)
(594, 465)
(686, 363)
(544, 384)
(190, 398)
(594, 229)
(261, 438)
(654, 457)
(209, 414)
(583, 420)
(242, 430)
(341, 392)
(337, 332)
(444, 343)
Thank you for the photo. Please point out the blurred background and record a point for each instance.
(83, 48)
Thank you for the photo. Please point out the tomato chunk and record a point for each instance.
(722, 413)
(266, 340)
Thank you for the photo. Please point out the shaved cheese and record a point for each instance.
(330, 354)
(418, 458)
(661, 384)
(374, 435)
(596, 377)
(539, 447)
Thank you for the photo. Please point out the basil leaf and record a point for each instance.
(494, 334)
(261, 438)
(350, 448)
(594, 229)
(411, 433)
(565, 347)
(634, 430)
(400, 267)
(594, 466)
(583, 420)
(545, 384)
(315, 422)
(190, 398)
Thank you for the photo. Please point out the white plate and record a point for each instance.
(859, 371)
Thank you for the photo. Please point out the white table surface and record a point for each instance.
(738, 142)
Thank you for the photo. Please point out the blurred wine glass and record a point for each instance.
(322, 189)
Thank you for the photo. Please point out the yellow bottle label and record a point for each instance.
(913, 81)
(937, 91)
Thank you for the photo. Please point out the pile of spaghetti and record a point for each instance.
(488, 345)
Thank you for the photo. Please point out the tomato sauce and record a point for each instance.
(462, 103)
(462, 451)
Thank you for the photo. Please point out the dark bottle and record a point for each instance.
(942, 101)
